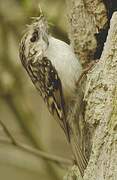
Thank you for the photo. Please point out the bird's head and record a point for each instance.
(35, 39)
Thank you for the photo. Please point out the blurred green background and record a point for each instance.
(21, 109)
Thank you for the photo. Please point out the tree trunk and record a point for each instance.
(85, 20)
(100, 95)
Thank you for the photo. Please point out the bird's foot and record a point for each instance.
(86, 70)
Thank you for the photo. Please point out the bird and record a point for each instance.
(54, 71)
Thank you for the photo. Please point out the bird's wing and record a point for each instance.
(45, 78)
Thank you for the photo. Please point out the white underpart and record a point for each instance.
(66, 64)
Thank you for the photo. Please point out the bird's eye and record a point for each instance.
(34, 36)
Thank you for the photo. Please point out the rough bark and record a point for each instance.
(101, 111)
(100, 91)
(85, 20)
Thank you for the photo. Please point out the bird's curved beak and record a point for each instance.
(45, 38)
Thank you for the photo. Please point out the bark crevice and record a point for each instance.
(101, 102)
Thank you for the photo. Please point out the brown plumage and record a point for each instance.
(54, 74)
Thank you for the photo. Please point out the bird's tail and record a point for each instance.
(80, 158)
